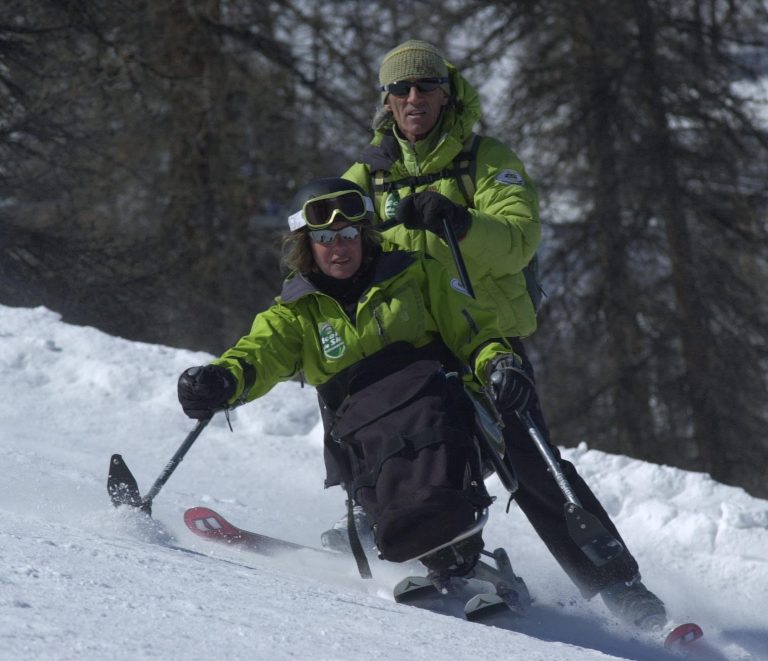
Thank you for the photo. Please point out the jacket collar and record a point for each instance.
(387, 265)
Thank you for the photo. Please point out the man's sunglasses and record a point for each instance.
(403, 87)
(320, 212)
(329, 236)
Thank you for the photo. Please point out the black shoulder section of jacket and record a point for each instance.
(389, 264)
(383, 155)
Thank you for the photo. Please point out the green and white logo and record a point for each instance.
(333, 345)
(390, 205)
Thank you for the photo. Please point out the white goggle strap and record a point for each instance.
(296, 221)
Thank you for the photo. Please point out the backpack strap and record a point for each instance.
(354, 540)
(465, 169)
(462, 169)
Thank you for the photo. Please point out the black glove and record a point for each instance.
(425, 211)
(512, 387)
(204, 390)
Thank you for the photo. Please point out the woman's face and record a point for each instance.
(341, 257)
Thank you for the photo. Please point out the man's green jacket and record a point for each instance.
(505, 229)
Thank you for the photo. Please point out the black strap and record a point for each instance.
(463, 169)
(354, 542)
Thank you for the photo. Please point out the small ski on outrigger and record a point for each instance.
(123, 489)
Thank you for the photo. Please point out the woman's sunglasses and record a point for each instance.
(403, 87)
(329, 236)
(320, 212)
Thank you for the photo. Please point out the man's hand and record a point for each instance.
(426, 211)
(512, 387)
(204, 390)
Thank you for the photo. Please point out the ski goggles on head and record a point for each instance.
(326, 236)
(403, 87)
(320, 212)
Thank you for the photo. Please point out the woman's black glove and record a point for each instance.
(512, 388)
(425, 211)
(205, 390)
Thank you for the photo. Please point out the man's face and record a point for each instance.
(416, 113)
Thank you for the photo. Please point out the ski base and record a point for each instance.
(484, 606)
(413, 588)
(468, 596)
(420, 592)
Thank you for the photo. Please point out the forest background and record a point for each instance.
(148, 150)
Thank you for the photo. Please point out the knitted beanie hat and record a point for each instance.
(412, 59)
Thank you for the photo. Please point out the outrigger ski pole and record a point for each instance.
(122, 486)
(584, 528)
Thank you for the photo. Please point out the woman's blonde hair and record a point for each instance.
(297, 248)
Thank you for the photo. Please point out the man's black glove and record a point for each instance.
(512, 387)
(425, 211)
(204, 390)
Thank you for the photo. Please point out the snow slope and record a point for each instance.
(81, 580)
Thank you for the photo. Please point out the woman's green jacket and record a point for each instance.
(412, 298)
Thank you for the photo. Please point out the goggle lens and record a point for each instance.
(322, 212)
(347, 233)
(403, 87)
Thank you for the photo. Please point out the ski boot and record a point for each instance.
(337, 538)
(636, 605)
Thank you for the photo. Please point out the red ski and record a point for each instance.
(206, 523)
(683, 635)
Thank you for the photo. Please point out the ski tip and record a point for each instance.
(207, 523)
(683, 635)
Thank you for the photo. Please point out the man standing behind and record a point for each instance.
(424, 165)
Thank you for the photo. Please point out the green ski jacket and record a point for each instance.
(474, 171)
(412, 298)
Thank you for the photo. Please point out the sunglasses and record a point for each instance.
(403, 87)
(347, 233)
(322, 211)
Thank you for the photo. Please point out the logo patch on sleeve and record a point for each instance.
(333, 345)
(457, 286)
(510, 177)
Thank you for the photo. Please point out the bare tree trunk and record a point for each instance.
(695, 336)
(622, 375)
